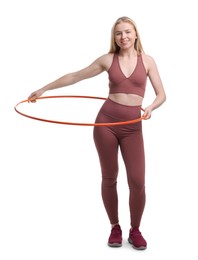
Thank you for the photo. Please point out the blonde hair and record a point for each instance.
(114, 47)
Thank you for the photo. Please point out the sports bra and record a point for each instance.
(134, 84)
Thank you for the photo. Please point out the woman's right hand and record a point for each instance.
(36, 94)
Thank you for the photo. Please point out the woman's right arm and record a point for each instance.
(97, 67)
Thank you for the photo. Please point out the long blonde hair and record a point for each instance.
(114, 47)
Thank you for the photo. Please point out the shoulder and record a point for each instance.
(105, 60)
(148, 61)
(147, 58)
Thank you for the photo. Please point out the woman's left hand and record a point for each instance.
(147, 113)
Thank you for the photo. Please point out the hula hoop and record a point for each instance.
(73, 123)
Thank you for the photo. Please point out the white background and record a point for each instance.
(50, 204)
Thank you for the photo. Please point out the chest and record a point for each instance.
(127, 66)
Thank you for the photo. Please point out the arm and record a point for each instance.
(156, 82)
(92, 70)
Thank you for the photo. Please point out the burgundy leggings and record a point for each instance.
(130, 140)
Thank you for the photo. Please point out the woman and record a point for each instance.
(128, 68)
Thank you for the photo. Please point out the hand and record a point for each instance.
(36, 94)
(147, 113)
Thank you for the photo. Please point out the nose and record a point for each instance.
(123, 35)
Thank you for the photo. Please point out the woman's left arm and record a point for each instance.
(156, 82)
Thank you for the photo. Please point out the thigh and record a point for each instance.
(107, 147)
(132, 149)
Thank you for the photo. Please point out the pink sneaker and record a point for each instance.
(115, 238)
(136, 239)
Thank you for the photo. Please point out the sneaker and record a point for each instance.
(136, 239)
(115, 238)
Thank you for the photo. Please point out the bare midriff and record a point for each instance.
(126, 99)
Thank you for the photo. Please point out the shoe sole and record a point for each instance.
(115, 245)
(137, 248)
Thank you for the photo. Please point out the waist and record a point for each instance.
(126, 99)
(115, 112)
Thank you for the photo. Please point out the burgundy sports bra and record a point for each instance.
(134, 84)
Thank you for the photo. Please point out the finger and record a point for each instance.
(146, 115)
(32, 100)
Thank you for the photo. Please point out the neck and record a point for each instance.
(128, 52)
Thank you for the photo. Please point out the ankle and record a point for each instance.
(113, 225)
(134, 228)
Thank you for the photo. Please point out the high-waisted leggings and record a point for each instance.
(129, 138)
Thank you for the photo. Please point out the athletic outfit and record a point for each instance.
(128, 137)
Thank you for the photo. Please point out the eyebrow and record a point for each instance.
(123, 30)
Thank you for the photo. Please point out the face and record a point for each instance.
(125, 35)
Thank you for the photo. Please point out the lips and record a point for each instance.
(125, 42)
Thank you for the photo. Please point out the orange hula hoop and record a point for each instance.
(73, 123)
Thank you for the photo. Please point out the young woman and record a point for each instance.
(128, 69)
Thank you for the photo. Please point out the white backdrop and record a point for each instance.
(50, 204)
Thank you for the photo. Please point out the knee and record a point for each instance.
(109, 172)
(109, 182)
(137, 185)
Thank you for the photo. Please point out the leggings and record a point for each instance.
(129, 138)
